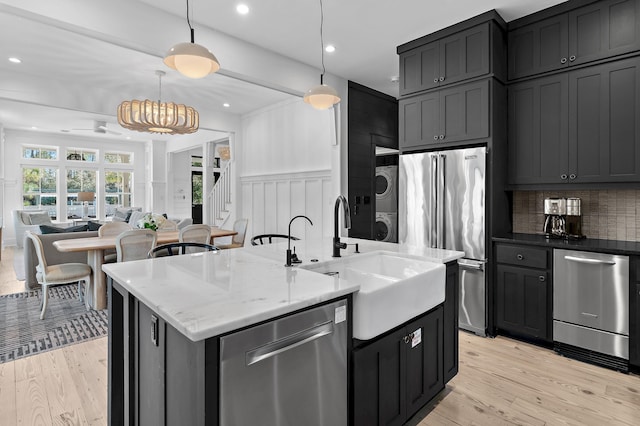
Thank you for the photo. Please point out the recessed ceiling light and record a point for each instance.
(128, 137)
(330, 48)
(395, 79)
(226, 105)
(15, 60)
(34, 128)
(242, 9)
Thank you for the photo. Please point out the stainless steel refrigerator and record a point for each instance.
(442, 204)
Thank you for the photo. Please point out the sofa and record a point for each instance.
(51, 254)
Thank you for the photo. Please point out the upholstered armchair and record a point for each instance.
(29, 220)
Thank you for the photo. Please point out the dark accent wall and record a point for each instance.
(373, 120)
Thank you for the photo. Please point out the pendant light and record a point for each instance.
(322, 96)
(158, 117)
(191, 59)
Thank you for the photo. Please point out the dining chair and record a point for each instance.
(112, 229)
(174, 249)
(168, 225)
(135, 244)
(195, 234)
(240, 226)
(63, 273)
(261, 239)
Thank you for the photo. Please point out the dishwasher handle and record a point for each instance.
(286, 343)
(590, 261)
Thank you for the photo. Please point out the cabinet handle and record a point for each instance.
(572, 58)
(441, 137)
(441, 78)
(406, 339)
(520, 257)
(541, 278)
(435, 137)
(572, 176)
(563, 60)
(563, 177)
(435, 80)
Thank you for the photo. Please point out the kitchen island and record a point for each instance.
(169, 318)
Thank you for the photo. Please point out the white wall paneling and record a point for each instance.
(270, 201)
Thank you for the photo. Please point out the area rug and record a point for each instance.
(23, 333)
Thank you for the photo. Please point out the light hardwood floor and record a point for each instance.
(501, 382)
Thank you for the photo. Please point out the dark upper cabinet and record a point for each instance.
(523, 291)
(459, 57)
(596, 31)
(539, 47)
(458, 113)
(578, 127)
(604, 130)
(538, 130)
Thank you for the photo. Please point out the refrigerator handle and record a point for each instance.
(433, 202)
(441, 208)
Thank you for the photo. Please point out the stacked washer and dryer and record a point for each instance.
(386, 226)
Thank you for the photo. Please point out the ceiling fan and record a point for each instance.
(100, 126)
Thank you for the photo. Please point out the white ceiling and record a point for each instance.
(62, 67)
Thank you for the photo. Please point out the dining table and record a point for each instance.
(95, 248)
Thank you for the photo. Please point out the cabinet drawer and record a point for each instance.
(522, 256)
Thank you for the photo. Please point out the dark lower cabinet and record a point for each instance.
(451, 308)
(395, 375)
(634, 312)
(524, 304)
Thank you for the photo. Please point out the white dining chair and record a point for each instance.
(135, 244)
(63, 273)
(237, 241)
(112, 229)
(195, 234)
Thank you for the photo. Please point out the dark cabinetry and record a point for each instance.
(596, 31)
(634, 312)
(397, 374)
(524, 293)
(451, 59)
(458, 113)
(576, 127)
(450, 322)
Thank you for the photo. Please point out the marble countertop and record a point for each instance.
(208, 294)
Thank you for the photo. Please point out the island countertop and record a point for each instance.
(207, 294)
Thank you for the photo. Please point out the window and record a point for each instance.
(196, 161)
(40, 152)
(40, 189)
(118, 157)
(75, 154)
(117, 188)
(79, 180)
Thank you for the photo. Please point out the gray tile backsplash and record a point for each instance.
(606, 214)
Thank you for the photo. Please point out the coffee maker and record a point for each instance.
(574, 219)
(555, 212)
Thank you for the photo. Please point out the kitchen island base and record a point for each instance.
(159, 376)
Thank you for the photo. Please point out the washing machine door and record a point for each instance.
(384, 228)
(386, 192)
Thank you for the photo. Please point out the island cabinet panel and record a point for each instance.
(396, 374)
(597, 31)
(450, 322)
(578, 127)
(458, 113)
(524, 305)
(634, 312)
(459, 57)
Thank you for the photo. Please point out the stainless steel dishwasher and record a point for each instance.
(591, 307)
(291, 371)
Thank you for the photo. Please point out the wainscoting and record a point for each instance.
(270, 201)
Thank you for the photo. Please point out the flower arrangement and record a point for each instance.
(151, 221)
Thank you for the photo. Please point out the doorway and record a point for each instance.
(196, 196)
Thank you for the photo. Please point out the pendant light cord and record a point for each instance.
(159, 88)
(321, 43)
(189, 24)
